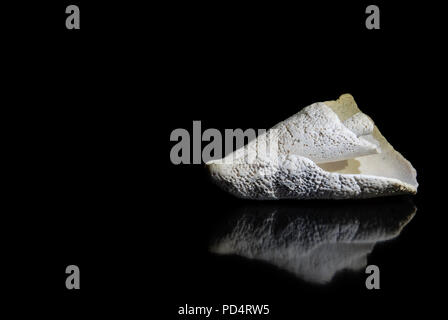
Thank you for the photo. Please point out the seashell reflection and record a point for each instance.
(312, 240)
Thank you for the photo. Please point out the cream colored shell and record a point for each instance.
(328, 150)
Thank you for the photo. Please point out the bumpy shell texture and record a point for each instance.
(328, 150)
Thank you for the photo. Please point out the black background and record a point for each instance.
(92, 183)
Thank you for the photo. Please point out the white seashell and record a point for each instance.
(312, 242)
(328, 150)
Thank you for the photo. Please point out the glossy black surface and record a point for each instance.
(92, 183)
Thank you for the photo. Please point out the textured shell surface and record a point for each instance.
(328, 150)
